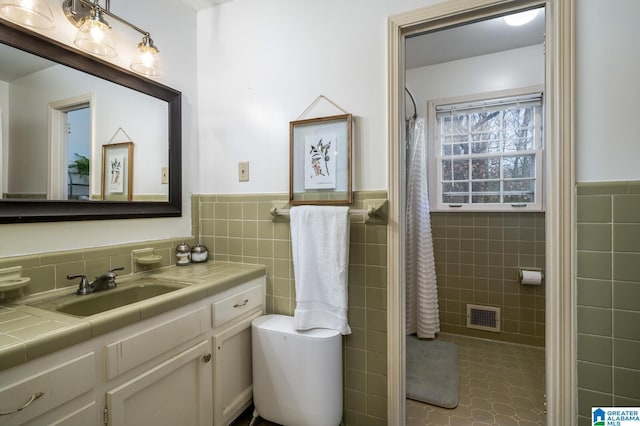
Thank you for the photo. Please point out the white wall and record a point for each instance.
(607, 90)
(173, 28)
(510, 69)
(262, 63)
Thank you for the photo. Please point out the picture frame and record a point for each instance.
(320, 160)
(117, 172)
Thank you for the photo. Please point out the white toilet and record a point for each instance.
(297, 375)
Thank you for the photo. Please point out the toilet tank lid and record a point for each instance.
(284, 324)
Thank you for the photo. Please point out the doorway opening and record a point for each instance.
(478, 89)
(558, 309)
(70, 149)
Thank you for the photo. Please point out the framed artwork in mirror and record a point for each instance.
(320, 160)
(117, 172)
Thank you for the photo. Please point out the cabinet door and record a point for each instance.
(176, 392)
(232, 380)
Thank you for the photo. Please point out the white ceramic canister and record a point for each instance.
(183, 254)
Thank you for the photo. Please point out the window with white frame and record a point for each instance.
(488, 152)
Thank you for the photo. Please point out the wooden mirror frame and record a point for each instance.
(27, 211)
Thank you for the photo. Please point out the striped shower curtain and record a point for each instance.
(421, 290)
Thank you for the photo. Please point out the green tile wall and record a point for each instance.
(608, 295)
(240, 228)
(48, 271)
(478, 256)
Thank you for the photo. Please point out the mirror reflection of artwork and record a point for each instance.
(320, 162)
(116, 178)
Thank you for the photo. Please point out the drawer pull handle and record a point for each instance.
(28, 403)
(240, 305)
(206, 358)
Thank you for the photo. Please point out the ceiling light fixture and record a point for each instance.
(521, 18)
(31, 13)
(94, 35)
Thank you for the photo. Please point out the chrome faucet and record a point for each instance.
(105, 281)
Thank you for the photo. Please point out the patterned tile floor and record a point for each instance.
(500, 384)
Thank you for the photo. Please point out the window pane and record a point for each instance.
(518, 144)
(448, 187)
(488, 186)
(527, 185)
(461, 169)
(489, 199)
(446, 150)
(518, 118)
(485, 168)
(461, 149)
(447, 173)
(486, 120)
(460, 124)
(518, 167)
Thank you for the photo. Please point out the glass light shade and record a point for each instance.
(32, 13)
(94, 36)
(146, 60)
(521, 18)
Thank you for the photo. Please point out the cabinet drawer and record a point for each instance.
(234, 306)
(127, 353)
(58, 385)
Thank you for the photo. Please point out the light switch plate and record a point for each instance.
(164, 175)
(243, 171)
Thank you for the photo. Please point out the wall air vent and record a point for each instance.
(483, 318)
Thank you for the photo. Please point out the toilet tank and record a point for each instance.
(297, 375)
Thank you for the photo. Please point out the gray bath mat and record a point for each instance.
(432, 371)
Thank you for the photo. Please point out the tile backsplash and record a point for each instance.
(48, 271)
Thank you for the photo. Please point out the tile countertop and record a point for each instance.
(27, 332)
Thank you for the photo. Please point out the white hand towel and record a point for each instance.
(320, 247)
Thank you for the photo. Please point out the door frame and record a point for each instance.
(560, 312)
(57, 185)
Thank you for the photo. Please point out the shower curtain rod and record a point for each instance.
(413, 101)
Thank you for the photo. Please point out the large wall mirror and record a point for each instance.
(83, 139)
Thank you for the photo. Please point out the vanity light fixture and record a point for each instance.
(94, 35)
(32, 13)
(521, 18)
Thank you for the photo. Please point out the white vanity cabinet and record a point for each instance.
(42, 395)
(190, 365)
